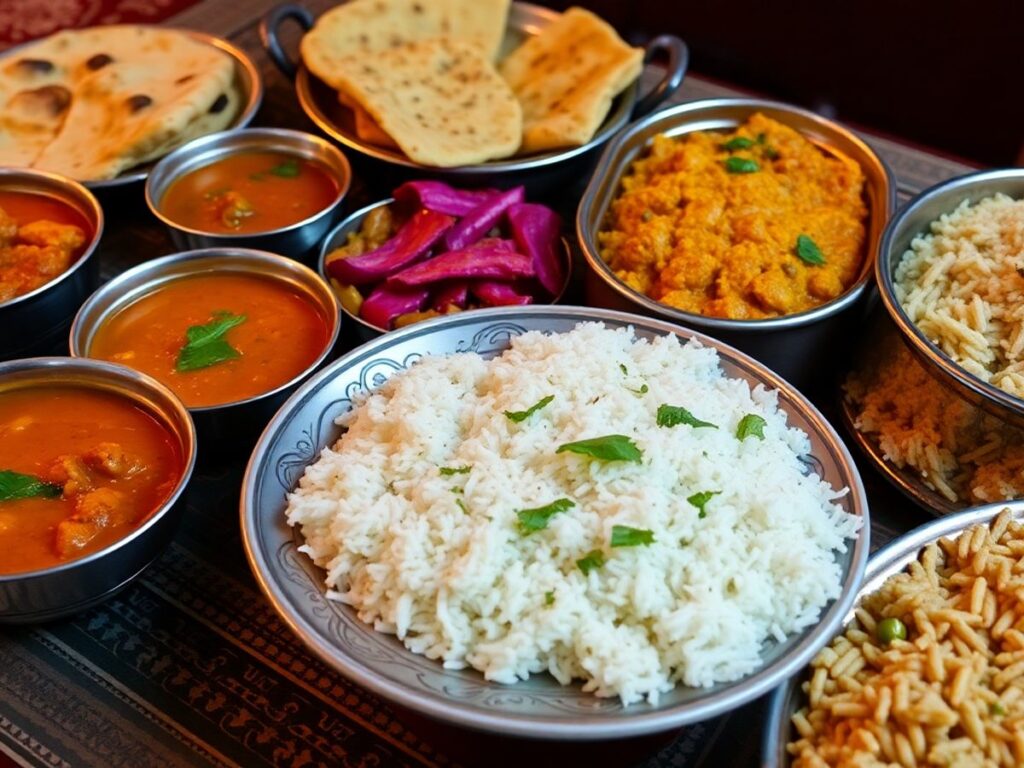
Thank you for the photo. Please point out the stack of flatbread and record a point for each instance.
(424, 76)
(95, 102)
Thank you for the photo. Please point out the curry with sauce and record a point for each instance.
(752, 223)
(258, 333)
(249, 192)
(103, 465)
(40, 238)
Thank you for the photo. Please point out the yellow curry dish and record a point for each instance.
(754, 223)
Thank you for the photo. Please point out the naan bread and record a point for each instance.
(441, 101)
(366, 127)
(92, 103)
(352, 31)
(566, 78)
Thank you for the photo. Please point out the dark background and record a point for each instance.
(946, 75)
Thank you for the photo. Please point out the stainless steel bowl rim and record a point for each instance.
(225, 140)
(887, 261)
(889, 559)
(156, 269)
(357, 216)
(592, 254)
(96, 211)
(148, 382)
(757, 683)
(251, 106)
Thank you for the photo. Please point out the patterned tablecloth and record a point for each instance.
(190, 666)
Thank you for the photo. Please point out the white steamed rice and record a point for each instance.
(468, 587)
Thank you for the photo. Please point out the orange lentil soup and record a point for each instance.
(40, 237)
(256, 334)
(753, 223)
(80, 469)
(249, 192)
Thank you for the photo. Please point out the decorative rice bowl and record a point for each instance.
(597, 507)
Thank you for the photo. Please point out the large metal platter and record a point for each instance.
(247, 82)
(540, 707)
(891, 559)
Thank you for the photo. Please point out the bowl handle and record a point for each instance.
(678, 60)
(270, 26)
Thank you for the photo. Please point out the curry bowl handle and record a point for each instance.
(270, 34)
(678, 60)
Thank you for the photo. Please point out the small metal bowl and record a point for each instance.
(228, 424)
(890, 559)
(49, 593)
(913, 220)
(339, 236)
(38, 321)
(545, 171)
(247, 83)
(293, 240)
(796, 346)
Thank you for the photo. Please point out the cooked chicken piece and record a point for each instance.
(71, 472)
(111, 460)
(94, 511)
(8, 228)
(66, 237)
(46, 261)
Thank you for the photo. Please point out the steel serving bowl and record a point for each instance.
(50, 593)
(37, 322)
(293, 240)
(229, 425)
(339, 236)
(798, 346)
(544, 171)
(247, 83)
(913, 220)
(539, 707)
(889, 560)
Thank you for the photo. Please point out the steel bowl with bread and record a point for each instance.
(539, 707)
(36, 322)
(797, 346)
(277, 145)
(225, 423)
(74, 583)
(541, 172)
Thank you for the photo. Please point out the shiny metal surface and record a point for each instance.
(879, 341)
(42, 595)
(913, 220)
(293, 240)
(538, 708)
(364, 331)
(230, 424)
(891, 559)
(248, 83)
(36, 322)
(537, 172)
(796, 346)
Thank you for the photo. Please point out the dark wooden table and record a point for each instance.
(189, 666)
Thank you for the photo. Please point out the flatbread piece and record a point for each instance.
(360, 28)
(567, 77)
(440, 100)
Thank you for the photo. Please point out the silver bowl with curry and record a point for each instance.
(272, 189)
(753, 221)
(49, 229)
(94, 462)
(231, 331)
